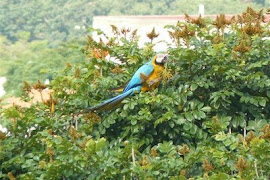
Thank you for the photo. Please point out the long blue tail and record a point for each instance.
(113, 102)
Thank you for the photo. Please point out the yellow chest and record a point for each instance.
(154, 78)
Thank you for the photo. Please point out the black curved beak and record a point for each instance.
(166, 57)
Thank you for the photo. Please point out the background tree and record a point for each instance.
(32, 61)
(64, 20)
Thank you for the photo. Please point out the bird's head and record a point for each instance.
(161, 59)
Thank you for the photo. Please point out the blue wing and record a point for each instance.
(134, 86)
(136, 80)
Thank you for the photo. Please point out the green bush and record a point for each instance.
(208, 120)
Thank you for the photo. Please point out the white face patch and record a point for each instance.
(161, 58)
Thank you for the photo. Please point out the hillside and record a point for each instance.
(63, 20)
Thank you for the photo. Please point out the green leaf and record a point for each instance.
(90, 146)
(189, 116)
(133, 122)
(100, 143)
(262, 102)
(206, 109)
(201, 114)
(193, 87)
(256, 125)
(166, 147)
(125, 107)
(227, 142)
(171, 124)
(180, 120)
(193, 129)
(233, 146)
(220, 136)
(187, 126)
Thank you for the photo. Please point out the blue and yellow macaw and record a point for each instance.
(147, 77)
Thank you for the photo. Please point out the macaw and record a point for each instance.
(147, 77)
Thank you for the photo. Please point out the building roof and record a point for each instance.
(163, 17)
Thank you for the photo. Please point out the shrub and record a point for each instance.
(208, 120)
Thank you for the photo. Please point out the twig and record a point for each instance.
(245, 133)
(133, 156)
(261, 171)
(76, 124)
(256, 170)
(133, 160)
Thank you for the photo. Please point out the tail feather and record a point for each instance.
(120, 89)
(113, 102)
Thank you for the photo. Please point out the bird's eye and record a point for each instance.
(165, 58)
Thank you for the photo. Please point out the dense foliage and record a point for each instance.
(208, 120)
(63, 20)
(33, 33)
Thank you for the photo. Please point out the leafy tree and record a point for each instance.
(209, 120)
(31, 61)
(55, 21)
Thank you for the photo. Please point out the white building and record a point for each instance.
(144, 25)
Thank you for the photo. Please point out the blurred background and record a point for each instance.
(37, 38)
